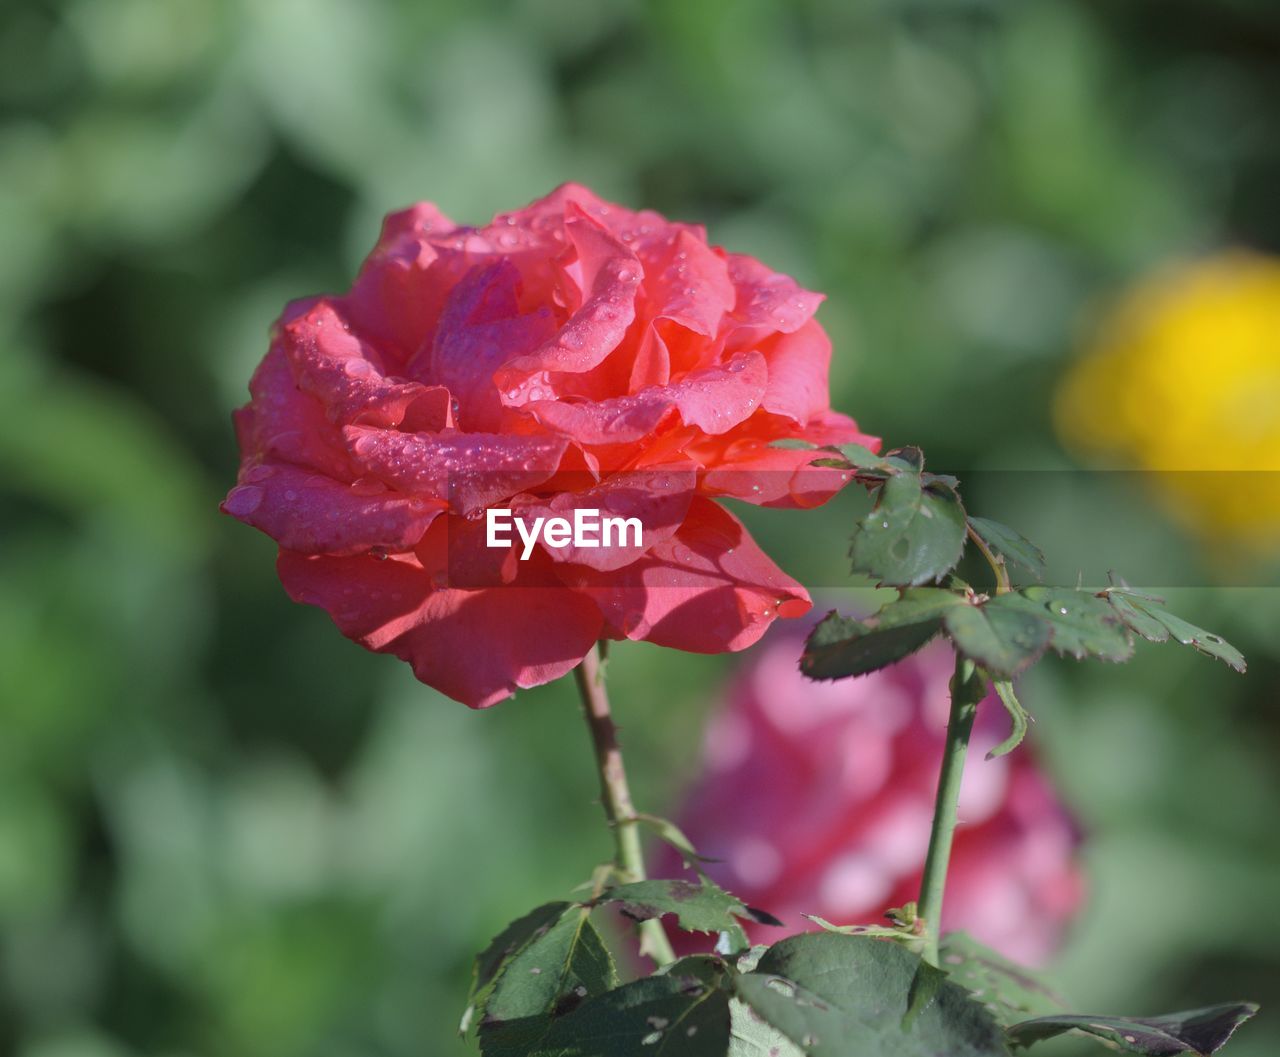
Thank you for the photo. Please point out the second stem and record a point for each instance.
(615, 795)
(968, 687)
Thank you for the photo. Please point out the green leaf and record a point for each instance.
(1010, 545)
(1017, 719)
(683, 1012)
(835, 995)
(840, 646)
(490, 961)
(698, 907)
(1002, 639)
(751, 1036)
(1083, 624)
(1010, 992)
(557, 968)
(913, 534)
(1197, 1031)
(1145, 616)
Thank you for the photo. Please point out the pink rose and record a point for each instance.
(818, 797)
(572, 354)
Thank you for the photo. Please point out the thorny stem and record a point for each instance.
(615, 795)
(968, 687)
(997, 564)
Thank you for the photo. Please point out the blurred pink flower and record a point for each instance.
(817, 797)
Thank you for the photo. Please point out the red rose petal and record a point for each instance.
(658, 497)
(313, 514)
(470, 470)
(344, 372)
(707, 589)
(477, 647)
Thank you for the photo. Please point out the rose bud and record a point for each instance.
(817, 797)
(571, 355)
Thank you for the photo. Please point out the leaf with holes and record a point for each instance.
(1010, 992)
(841, 646)
(1156, 624)
(1083, 624)
(752, 1036)
(915, 532)
(1197, 1031)
(1012, 546)
(1002, 639)
(698, 907)
(834, 995)
(681, 1012)
(556, 969)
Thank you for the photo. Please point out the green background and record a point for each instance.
(224, 830)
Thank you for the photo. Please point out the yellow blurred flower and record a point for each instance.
(1184, 377)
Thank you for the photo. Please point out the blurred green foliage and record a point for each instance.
(226, 831)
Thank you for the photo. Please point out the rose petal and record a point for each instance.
(470, 470)
(767, 303)
(284, 424)
(798, 364)
(713, 399)
(395, 301)
(477, 647)
(707, 589)
(747, 467)
(481, 328)
(658, 497)
(345, 373)
(313, 514)
(608, 275)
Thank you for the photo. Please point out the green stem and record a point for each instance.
(968, 687)
(615, 794)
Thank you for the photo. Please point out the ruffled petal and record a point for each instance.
(395, 300)
(608, 275)
(478, 647)
(713, 399)
(481, 328)
(346, 374)
(314, 514)
(284, 424)
(470, 470)
(767, 303)
(707, 589)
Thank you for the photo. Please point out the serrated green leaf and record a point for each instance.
(1011, 545)
(1010, 992)
(915, 532)
(1153, 622)
(557, 968)
(1136, 620)
(490, 961)
(1003, 640)
(683, 1012)
(698, 907)
(793, 444)
(1197, 1031)
(1083, 625)
(840, 646)
(835, 995)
